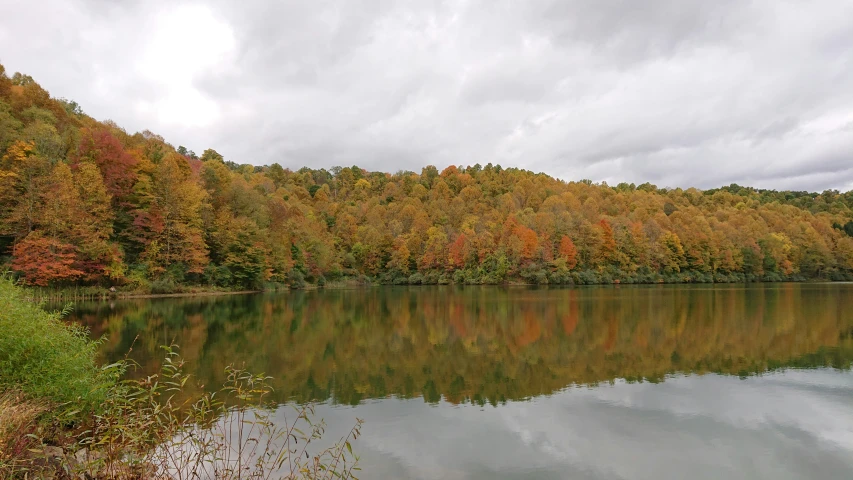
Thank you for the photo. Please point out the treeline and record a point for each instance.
(85, 203)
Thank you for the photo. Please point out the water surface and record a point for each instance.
(493, 382)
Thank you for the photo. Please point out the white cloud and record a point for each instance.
(185, 42)
(676, 93)
(792, 425)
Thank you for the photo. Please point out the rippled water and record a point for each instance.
(487, 382)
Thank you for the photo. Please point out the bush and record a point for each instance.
(295, 279)
(775, 277)
(177, 272)
(273, 286)
(137, 278)
(534, 274)
(44, 358)
(587, 277)
(164, 285)
(217, 276)
(430, 278)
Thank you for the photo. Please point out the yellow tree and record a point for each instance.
(177, 227)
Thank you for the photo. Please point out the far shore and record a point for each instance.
(58, 295)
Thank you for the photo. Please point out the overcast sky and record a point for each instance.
(675, 92)
(792, 425)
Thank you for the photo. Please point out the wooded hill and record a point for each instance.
(86, 203)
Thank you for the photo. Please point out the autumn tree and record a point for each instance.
(97, 205)
(568, 252)
(117, 166)
(45, 261)
(175, 221)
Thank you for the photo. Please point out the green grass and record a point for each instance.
(43, 357)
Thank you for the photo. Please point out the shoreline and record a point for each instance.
(186, 294)
(58, 296)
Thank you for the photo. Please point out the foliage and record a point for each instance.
(43, 260)
(44, 358)
(164, 285)
(84, 202)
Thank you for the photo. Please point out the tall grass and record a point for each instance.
(45, 358)
(18, 428)
(144, 428)
(149, 428)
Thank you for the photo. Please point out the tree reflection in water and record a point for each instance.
(483, 344)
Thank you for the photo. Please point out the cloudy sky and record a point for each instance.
(676, 92)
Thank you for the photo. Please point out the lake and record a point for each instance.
(612, 382)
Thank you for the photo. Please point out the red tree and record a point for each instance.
(116, 165)
(529, 242)
(568, 252)
(43, 260)
(458, 251)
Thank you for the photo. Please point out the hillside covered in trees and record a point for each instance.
(86, 203)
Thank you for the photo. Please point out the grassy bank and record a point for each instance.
(64, 416)
(45, 358)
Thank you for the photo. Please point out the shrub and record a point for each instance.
(430, 278)
(296, 279)
(587, 277)
(473, 277)
(217, 276)
(164, 285)
(137, 278)
(534, 274)
(43, 357)
(177, 272)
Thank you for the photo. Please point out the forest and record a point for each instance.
(85, 203)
